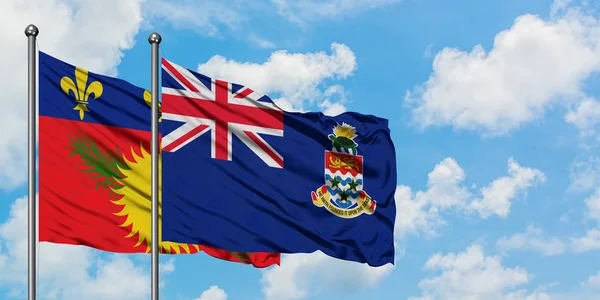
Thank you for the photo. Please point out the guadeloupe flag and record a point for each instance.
(95, 166)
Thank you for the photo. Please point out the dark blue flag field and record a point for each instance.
(241, 174)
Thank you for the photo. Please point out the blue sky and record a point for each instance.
(493, 112)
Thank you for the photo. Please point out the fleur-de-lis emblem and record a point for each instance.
(148, 99)
(82, 90)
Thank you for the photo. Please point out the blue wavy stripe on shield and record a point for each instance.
(347, 205)
(335, 192)
(344, 181)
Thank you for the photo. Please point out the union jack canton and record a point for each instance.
(205, 104)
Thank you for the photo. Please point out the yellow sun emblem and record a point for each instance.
(136, 202)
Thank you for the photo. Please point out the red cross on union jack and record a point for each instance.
(220, 111)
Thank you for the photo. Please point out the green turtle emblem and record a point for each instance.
(343, 138)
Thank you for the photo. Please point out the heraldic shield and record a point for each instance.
(343, 194)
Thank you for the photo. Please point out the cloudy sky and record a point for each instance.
(493, 110)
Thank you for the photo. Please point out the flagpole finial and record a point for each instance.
(31, 30)
(154, 38)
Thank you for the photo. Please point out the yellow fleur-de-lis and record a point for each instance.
(82, 91)
(148, 99)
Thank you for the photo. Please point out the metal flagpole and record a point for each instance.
(31, 32)
(154, 39)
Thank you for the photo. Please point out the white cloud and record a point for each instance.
(585, 175)
(559, 6)
(334, 101)
(532, 66)
(593, 205)
(288, 106)
(213, 293)
(296, 77)
(593, 282)
(589, 290)
(261, 42)
(532, 239)
(210, 17)
(202, 16)
(67, 271)
(591, 241)
(168, 266)
(586, 116)
(473, 275)
(116, 278)
(302, 11)
(524, 295)
(165, 268)
(427, 53)
(415, 214)
(331, 108)
(420, 212)
(498, 195)
(301, 275)
(92, 34)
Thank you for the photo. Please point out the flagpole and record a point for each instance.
(31, 32)
(154, 39)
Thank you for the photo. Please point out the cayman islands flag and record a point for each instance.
(240, 173)
(94, 165)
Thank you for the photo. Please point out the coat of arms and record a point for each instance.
(343, 194)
